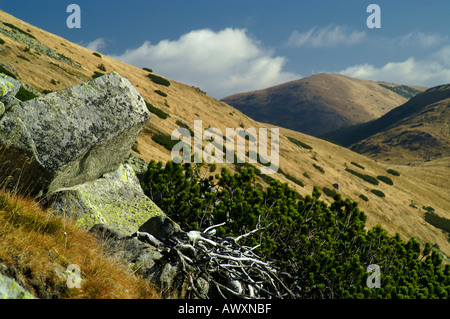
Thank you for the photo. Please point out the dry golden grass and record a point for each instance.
(35, 245)
(425, 185)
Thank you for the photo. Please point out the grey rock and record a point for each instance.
(116, 200)
(71, 136)
(139, 166)
(158, 265)
(144, 259)
(160, 226)
(8, 90)
(8, 86)
(10, 289)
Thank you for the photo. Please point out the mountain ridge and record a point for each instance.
(322, 102)
(420, 125)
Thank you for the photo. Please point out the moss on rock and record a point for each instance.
(9, 289)
(116, 200)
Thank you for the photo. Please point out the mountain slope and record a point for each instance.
(414, 132)
(305, 161)
(321, 103)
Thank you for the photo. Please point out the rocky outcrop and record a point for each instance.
(71, 148)
(71, 136)
(116, 199)
(10, 289)
(155, 264)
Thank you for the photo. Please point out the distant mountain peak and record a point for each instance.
(321, 102)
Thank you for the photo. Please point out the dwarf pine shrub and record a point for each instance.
(158, 112)
(324, 250)
(385, 179)
(158, 80)
(367, 178)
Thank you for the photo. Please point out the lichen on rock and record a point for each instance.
(10, 289)
(68, 137)
(116, 200)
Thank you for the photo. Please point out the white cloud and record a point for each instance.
(443, 56)
(430, 72)
(95, 45)
(326, 37)
(220, 63)
(422, 39)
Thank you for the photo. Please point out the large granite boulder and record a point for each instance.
(116, 200)
(71, 136)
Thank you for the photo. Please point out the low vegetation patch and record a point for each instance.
(184, 125)
(299, 143)
(165, 140)
(97, 74)
(101, 67)
(13, 27)
(158, 80)
(291, 178)
(385, 179)
(364, 198)
(367, 178)
(378, 192)
(135, 147)
(357, 165)
(199, 90)
(329, 192)
(156, 111)
(25, 95)
(319, 168)
(161, 93)
(403, 90)
(23, 58)
(393, 172)
(438, 221)
(428, 209)
(7, 72)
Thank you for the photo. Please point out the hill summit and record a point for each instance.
(321, 103)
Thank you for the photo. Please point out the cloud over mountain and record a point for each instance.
(434, 69)
(221, 63)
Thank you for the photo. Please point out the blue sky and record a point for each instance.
(226, 47)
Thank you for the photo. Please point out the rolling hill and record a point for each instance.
(321, 103)
(46, 62)
(415, 132)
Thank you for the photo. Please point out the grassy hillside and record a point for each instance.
(38, 247)
(305, 161)
(321, 103)
(417, 131)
